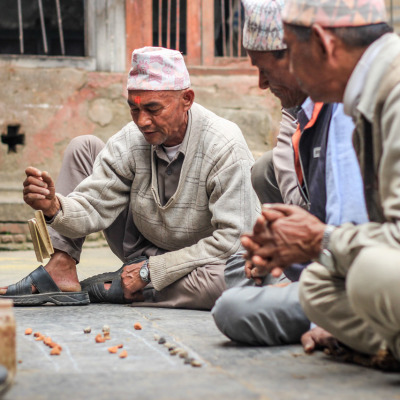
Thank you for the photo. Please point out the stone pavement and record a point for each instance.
(86, 370)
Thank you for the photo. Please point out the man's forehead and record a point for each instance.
(148, 96)
(261, 58)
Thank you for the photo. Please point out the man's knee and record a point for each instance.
(264, 181)
(231, 315)
(260, 315)
(89, 145)
(373, 276)
(225, 309)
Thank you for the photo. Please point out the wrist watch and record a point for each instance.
(325, 257)
(144, 272)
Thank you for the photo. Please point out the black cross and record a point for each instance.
(12, 138)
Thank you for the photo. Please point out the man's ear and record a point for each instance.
(187, 98)
(323, 42)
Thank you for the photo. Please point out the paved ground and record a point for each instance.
(85, 370)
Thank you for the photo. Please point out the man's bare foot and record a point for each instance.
(318, 338)
(62, 268)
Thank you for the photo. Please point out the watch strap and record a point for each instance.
(327, 236)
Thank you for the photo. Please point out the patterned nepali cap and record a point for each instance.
(156, 68)
(263, 28)
(334, 13)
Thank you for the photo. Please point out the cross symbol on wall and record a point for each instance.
(12, 138)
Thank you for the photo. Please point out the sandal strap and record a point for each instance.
(95, 285)
(39, 278)
(43, 281)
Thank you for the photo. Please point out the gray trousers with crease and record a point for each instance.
(259, 315)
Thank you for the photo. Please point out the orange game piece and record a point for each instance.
(28, 331)
(56, 351)
(113, 349)
(123, 354)
(137, 326)
(99, 338)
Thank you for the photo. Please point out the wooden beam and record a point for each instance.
(139, 26)
(207, 32)
(193, 32)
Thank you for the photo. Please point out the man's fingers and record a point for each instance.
(259, 272)
(47, 178)
(28, 198)
(265, 251)
(248, 244)
(34, 180)
(283, 209)
(269, 213)
(308, 342)
(36, 189)
(259, 261)
(248, 266)
(33, 171)
(276, 272)
(258, 281)
(260, 225)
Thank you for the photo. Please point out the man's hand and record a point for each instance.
(131, 281)
(254, 268)
(318, 338)
(293, 237)
(39, 192)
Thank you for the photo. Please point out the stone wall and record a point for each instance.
(54, 105)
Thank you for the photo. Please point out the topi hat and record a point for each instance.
(156, 68)
(263, 28)
(334, 13)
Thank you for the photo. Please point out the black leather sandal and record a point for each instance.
(48, 292)
(95, 285)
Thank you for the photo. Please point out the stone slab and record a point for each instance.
(85, 369)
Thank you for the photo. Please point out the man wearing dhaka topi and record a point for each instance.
(171, 191)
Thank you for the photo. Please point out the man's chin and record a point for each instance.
(152, 138)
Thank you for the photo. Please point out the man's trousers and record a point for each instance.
(360, 309)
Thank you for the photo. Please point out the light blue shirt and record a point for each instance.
(344, 187)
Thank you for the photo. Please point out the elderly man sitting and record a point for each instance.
(171, 191)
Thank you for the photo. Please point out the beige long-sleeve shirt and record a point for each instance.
(372, 96)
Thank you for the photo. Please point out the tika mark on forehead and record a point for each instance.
(137, 100)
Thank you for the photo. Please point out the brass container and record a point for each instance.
(7, 343)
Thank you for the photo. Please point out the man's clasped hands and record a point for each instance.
(282, 235)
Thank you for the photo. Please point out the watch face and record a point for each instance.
(143, 273)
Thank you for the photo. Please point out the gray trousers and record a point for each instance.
(259, 315)
(360, 307)
(197, 290)
(264, 180)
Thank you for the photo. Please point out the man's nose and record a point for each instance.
(143, 119)
(291, 66)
